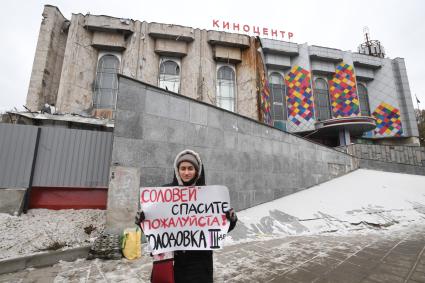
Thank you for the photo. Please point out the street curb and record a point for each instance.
(42, 259)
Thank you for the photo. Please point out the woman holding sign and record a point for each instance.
(189, 265)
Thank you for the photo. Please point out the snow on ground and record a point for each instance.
(363, 199)
(42, 230)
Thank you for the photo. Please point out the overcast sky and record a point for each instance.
(399, 25)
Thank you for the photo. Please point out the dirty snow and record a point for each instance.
(363, 199)
(268, 260)
(42, 230)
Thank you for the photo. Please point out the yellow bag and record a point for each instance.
(132, 243)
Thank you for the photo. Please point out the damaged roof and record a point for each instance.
(75, 118)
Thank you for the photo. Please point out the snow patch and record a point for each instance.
(43, 230)
(363, 199)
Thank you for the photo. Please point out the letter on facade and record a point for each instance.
(215, 23)
(290, 34)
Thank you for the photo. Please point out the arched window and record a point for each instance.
(226, 88)
(321, 100)
(363, 99)
(106, 85)
(169, 75)
(278, 96)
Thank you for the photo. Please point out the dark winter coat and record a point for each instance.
(193, 266)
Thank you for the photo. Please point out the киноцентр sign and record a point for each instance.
(185, 218)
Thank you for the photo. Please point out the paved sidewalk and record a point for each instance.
(379, 256)
(397, 257)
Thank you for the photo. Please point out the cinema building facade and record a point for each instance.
(328, 95)
(270, 117)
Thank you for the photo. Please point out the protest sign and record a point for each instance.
(185, 218)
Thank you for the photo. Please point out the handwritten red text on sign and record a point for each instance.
(185, 218)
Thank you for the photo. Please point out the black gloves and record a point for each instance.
(140, 216)
(231, 215)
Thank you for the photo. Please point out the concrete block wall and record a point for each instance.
(279, 47)
(348, 58)
(367, 61)
(66, 59)
(364, 74)
(191, 77)
(407, 109)
(12, 200)
(392, 167)
(326, 53)
(256, 162)
(67, 54)
(412, 155)
(75, 92)
(131, 64)
(246, 96)
(278, 61)
(123, 194)
(140, 61)
(323, 67)
(48, 59)
(303, 60)
(383, 87)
